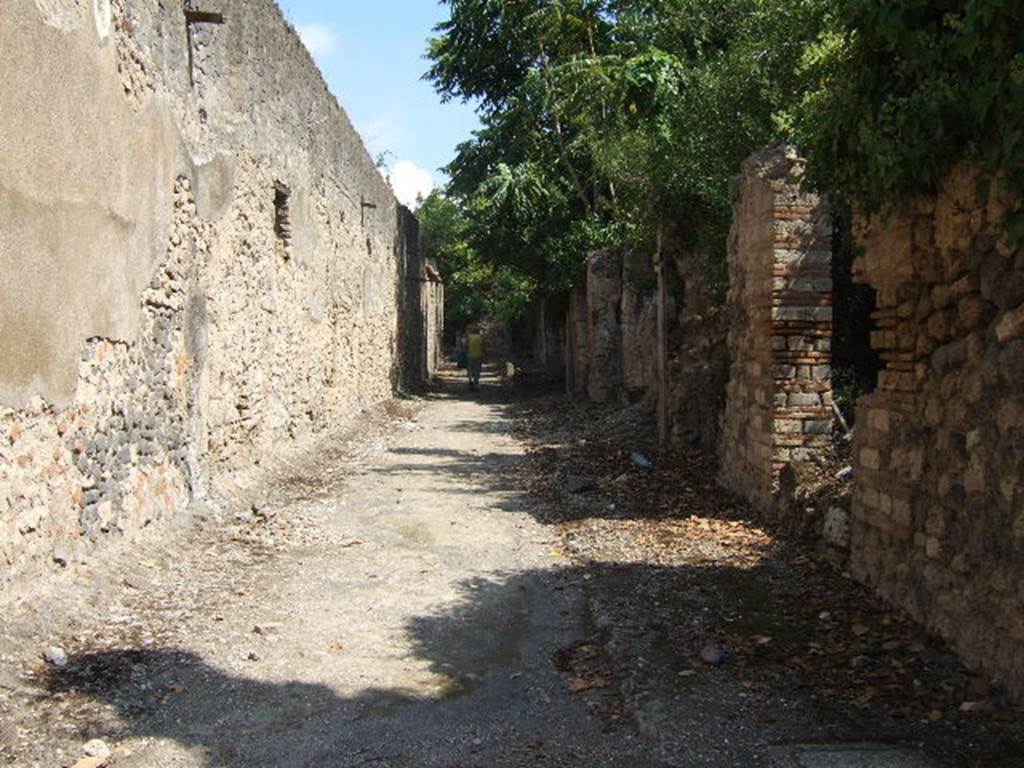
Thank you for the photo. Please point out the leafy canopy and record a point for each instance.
(905, 89)
(606, 122)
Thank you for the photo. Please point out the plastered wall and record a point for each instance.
(200, 265)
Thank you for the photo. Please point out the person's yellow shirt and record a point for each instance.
(475, 346)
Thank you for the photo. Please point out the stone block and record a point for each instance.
(788, 426)
(974, 312)
(802, 314)
(804, 399)
(1010, 325)
(784, 371)
(836, 527)
(817, 427)
(939, 326)
(870, 458)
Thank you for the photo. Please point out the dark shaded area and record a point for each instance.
(478, 644)
(706, 574)
(735, 714)
(797, 632)
(855, 365)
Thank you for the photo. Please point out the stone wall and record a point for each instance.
(778, 409)
(202, 265)
(421, 307)
(433, 287)
(603, 326)
(613, 331)
(578, 343)
(698, 364)
(547, 333)
(938, 509)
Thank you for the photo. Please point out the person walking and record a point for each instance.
(460, 350)
(476, 351)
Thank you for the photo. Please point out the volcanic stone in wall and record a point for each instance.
(938, 507)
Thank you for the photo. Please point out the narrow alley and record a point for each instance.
(406, 598)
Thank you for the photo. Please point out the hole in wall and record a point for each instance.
(855, 364)
(282, 214)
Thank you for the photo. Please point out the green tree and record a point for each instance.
(905, 89)
(607, 122)
(474, 287)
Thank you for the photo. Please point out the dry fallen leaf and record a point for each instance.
(866, 697)
(590, 651)
(578, 684)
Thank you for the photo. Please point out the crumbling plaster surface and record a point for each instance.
(160, 339)
(85, 189)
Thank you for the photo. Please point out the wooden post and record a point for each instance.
(542, 322)
(659, 266)
(570, 345)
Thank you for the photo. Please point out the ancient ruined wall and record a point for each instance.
(613, 344)
(778, 408)
(201, 264)
(548, 321)
(613, 348)
(938, 510)
(433, 287)
(698, 363)
(578, 343)
(638, 320)
(604, 297)
(421, 307)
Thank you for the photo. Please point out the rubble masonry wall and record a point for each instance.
(201, 266)
(938, 508)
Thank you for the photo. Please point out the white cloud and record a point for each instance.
(386, 132)
(319, 39)
(410, 182)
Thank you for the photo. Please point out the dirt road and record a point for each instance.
(437, 589)
(391, 603)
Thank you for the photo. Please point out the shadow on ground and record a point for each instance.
(804, 654)
(489, 713)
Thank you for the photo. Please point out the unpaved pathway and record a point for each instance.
(419, 593)
(391, 605)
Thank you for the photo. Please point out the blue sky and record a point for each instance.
(371, 54)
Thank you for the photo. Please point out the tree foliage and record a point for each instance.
(904, 89)
(606, 122)
(475, 287)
